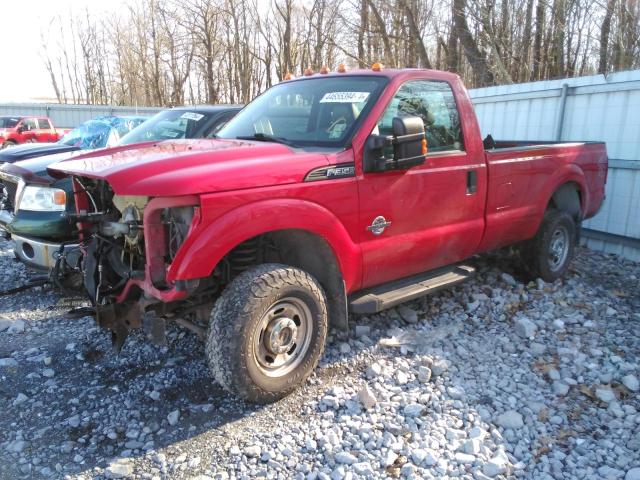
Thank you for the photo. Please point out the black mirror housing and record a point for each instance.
(409, 146)
(409, 141)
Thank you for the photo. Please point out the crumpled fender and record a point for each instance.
(208, 243)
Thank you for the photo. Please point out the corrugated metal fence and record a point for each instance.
(69, 116)
(586, 108)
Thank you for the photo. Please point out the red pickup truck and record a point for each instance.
(334, 192)
(15, 130)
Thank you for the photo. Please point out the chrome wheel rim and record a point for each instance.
(283, 337)
(558, 248)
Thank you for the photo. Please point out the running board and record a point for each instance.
(394, 293)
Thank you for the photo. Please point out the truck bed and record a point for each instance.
(522, 176)
(531, 144)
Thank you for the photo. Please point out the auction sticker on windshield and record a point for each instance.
(344, 97)
(191, 116)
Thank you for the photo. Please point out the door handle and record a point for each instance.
(472, 182)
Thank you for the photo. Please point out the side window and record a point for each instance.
(432, 101)
(29, 124)
(44, 124)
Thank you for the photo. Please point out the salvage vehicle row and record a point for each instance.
(37, 211)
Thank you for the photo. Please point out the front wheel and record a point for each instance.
(267, 332)
(549, 253)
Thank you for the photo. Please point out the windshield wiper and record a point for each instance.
(264, 137)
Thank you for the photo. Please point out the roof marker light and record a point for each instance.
(288, 76)
(342, 68)
(376, 67)
(308, 72)
(324, 70)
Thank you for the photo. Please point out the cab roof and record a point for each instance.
(383, 72)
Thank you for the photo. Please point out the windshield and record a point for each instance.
(91, 135)
(322, 112)
(101, 132)
(171, 125)
(8, 122)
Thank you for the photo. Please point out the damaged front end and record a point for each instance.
(128, 243)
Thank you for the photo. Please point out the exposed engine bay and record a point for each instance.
(116, 261)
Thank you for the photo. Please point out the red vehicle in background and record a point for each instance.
(15, 130)
(349, 191)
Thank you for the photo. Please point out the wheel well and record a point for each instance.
(297, 248)
(568, 198)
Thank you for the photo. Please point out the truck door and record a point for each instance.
(45, 133)
(29, 129)
(430, 215)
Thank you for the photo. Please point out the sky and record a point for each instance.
(23, 75)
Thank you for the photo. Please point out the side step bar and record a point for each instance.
(389, 295)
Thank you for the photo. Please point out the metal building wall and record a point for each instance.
(69, 116)
(595, 108)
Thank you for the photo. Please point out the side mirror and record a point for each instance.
(409, 146)
(20, 128)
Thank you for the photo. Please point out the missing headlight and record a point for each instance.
(178, 221)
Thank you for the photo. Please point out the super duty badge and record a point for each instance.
(332, 172)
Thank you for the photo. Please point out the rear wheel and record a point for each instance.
(8, 144)
(549, 253)
(267, 332)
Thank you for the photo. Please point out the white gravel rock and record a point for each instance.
(8, 362)
(560, 388)
(460, 457)
(413, 409)
(424, 374)
(471, 447)
(408, 314)
(74, 421)
(390, 458)
(17, 326)
(495, 466)
(439, 367)
(631, 382)
(553, 374)
(5, 323)
(16, 446)
(402, 378)
(510, 419)
(633, 474)
(367, 397)
(363, 331)
(525, 328)
(605, 394)
(374, 370)
(252, 451)
(121, 468)
(173, 417)
(346, 458)
(508, 279)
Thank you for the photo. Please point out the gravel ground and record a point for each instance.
(493, 378)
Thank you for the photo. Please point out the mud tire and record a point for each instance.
(237, 316)
(541, 254)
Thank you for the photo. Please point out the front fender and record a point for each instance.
(208, 243)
